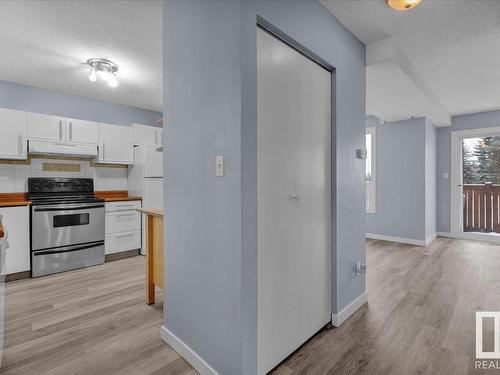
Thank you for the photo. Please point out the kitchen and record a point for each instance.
(81, 151)
(58, 159)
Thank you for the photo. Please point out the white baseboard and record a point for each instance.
(472, 236)
(429, 239)
(186, 352)
(346, 312)
(409, 241)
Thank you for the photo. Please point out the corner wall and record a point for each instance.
(430, 179)
(211, 229)
(400, 179)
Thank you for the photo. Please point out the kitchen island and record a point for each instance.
(154, 251)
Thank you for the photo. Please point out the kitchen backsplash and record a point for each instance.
(14, 174)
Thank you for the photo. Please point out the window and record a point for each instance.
(370, 176)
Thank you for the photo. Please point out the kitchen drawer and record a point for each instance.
(116, 243)
(123, 221)
(122, 205)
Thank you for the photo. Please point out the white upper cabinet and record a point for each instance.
(116, 144)
(82, 131)
(13, 143)
(147, 135)
(52, 128)
(55, 128)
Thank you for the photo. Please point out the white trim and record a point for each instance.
(346, 312)
(456, 191)
(471, 236)
(373, 208)
(186, 352)
(431, 238)
(409, 241)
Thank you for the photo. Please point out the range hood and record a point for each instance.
(61, 148)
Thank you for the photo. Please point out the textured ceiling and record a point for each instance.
(43, 44)
(453, 46)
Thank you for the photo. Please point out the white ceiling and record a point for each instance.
(448, 48)
(43, 44)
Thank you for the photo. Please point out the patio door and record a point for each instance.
(475, 184)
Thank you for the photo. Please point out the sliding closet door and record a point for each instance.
(293, 162)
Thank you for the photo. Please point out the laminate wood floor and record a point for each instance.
(420, 318)
(89, 321)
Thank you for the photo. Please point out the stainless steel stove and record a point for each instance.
(67, 225)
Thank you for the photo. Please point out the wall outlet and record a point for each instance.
(360, 268)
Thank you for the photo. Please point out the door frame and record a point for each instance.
(456, 180)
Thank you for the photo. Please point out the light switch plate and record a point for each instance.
(219, 166)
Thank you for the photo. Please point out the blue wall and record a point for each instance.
(406, 187)
(211, 225)
(462, 122)
(32, 99)
(400, 179)
(203, 224)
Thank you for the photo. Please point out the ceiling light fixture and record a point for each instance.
(105, 69)
(403, 4)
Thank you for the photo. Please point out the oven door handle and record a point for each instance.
(66, 249)
(67, 208)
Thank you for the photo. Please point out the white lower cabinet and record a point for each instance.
(15, 254)
(116, 243)
(123, 226)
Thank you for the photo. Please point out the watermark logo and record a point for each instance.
(480, 353)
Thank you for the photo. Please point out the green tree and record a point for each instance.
(469, 166)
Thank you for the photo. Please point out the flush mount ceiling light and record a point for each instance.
(105, 69)
(403, 4)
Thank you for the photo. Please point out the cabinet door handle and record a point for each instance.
(71, 131)
(125, 235)
(20, 145)
(156, 137)
(124, 215)
(60, 129)
(125, 205)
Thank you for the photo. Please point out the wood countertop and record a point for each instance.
(151, 211)
(19, 199)
(116, 195)
(13, 199)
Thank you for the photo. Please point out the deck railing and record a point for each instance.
(481, 208)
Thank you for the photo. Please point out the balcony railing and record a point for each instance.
(481, 208)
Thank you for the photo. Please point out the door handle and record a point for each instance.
(71, 130)
(60, 129)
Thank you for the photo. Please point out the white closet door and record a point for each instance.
(278, 218)
(315, 196)
(293, 148)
